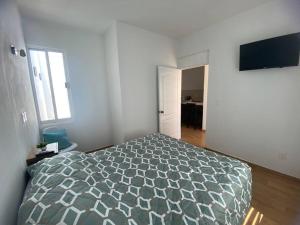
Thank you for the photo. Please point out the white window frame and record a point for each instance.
(56, 120)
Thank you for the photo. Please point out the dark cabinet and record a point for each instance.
(191, 115)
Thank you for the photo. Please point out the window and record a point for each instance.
(51, 88)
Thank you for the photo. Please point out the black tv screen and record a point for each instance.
(280, 51)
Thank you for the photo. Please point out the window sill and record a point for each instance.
(45, 124)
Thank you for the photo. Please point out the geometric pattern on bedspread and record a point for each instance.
(151, 180)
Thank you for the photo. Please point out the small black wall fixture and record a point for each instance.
(16, 51)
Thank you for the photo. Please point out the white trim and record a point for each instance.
(205, 93)
(198, 59)
(205, 96)
(194, 60)
(51, 84)
(192, 54)
(31, 76)
(179, 100)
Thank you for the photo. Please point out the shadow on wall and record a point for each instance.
(16, 137)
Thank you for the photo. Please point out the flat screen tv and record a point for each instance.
(275, 52)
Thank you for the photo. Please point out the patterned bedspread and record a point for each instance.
(150, 180)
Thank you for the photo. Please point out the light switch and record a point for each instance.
(24, 117)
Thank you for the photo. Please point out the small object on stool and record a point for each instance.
(42, 146)
(37, 154)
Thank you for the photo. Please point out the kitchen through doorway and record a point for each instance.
(194, 85)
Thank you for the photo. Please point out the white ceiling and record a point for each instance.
(174, 18)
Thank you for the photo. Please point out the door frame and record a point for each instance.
(205, 90)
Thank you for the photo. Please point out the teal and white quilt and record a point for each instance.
(153, 180)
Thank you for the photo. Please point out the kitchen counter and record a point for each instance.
(191, 102)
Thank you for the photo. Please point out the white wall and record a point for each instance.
(114, 83)
(253, 115)
(140, 52)
(91, 126)
(16, 138)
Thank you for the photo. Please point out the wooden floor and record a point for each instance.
(193, 136)
(275, 197)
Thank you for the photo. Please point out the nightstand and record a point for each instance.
(36, 155)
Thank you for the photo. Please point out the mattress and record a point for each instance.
(149, 180)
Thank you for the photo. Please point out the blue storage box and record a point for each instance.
(57, 135)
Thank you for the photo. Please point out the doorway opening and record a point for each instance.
(194, 84)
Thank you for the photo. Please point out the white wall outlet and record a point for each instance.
(24, 117)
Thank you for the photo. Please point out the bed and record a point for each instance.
(149, 180)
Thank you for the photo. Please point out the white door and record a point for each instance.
(169, 82)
